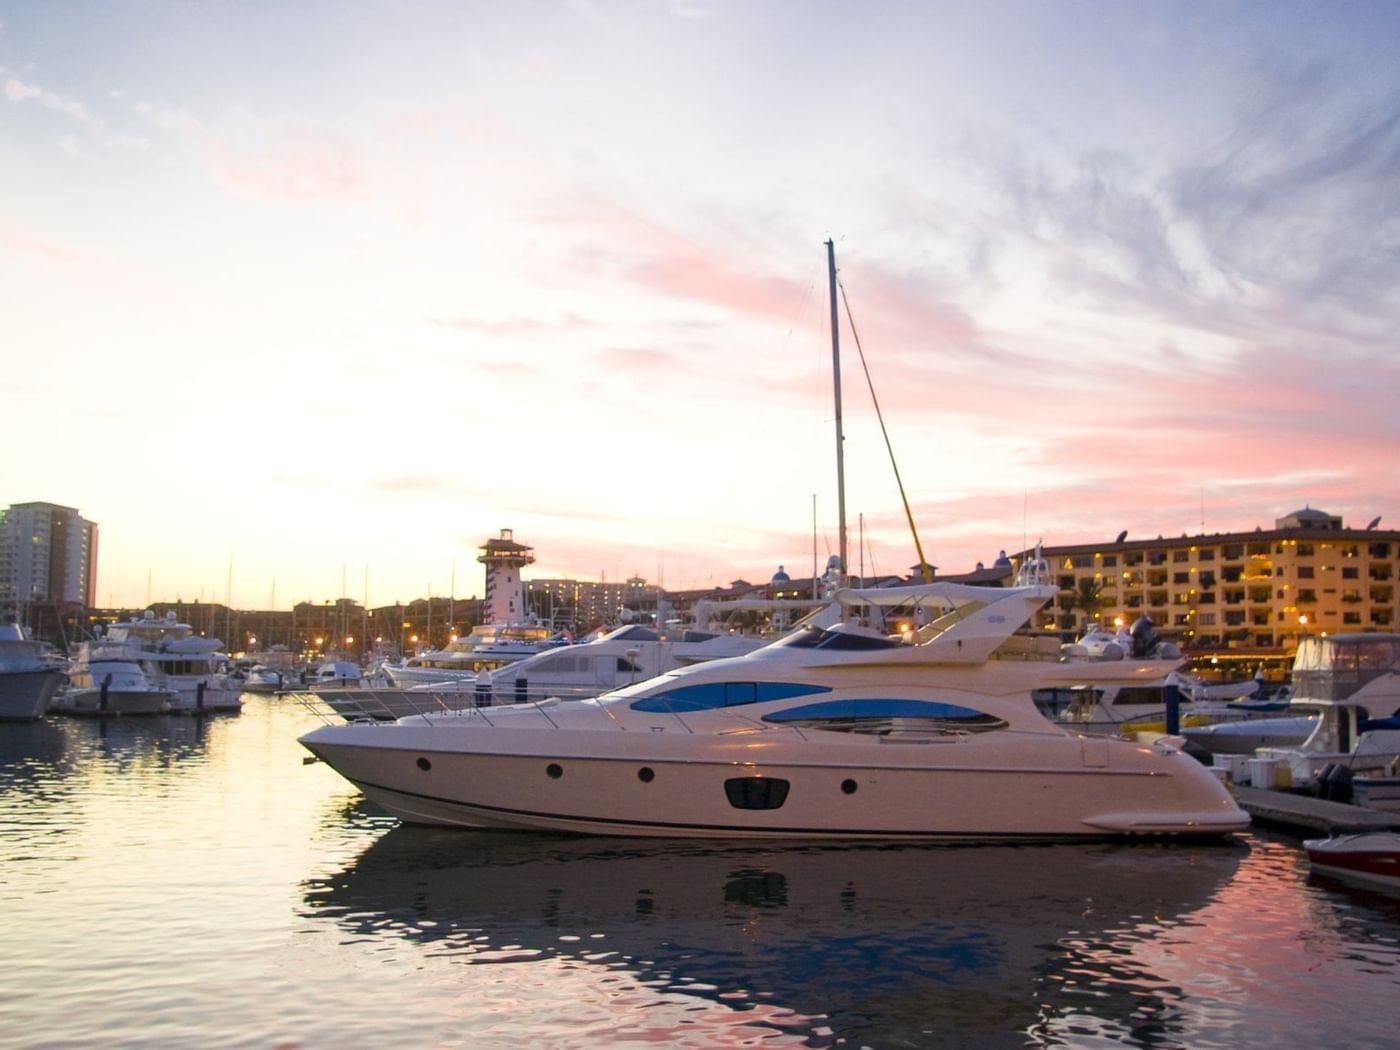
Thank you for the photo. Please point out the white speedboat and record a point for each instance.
(192, 668)
(107, 683)
(27, 681)
(1199, 690)
(624, 656)
(260, 679)
(334, 675)
(1100, 642)
(1244, 736)
(849, 732)
(1377, 791)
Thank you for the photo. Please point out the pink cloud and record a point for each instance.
(299, 164)
(512, 327)
(630, 246)
(17, 91)
(42, 248)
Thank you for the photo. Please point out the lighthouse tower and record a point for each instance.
(505, 591)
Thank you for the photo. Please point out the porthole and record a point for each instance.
(424, 764)
(646, 774)
(555, 770)
(848, 786)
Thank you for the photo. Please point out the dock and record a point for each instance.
(1305, 814)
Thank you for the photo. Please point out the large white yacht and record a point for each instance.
(193, 669)
(106, 682)
(486, 648)
(920, 726)
(509, 633)
(27, 680)
(623, 656)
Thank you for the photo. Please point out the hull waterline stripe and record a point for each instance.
(751, 829)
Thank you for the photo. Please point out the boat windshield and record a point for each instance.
(635, 688)
(818, 638)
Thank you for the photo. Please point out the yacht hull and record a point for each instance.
(717, 788)
(188, 698)
(117, 702)
(25, 695)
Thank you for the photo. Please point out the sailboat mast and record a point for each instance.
(836, 383)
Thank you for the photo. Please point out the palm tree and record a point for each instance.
(1087, 597)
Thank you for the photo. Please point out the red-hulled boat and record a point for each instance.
(1372, 857)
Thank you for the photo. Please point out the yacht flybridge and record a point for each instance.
(911, 717)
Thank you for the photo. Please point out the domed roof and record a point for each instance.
(1308, 514)
(1308, 518)
(781, 577)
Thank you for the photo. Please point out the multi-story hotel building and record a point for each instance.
(48, 555)
(586, 604)
(1246, 593)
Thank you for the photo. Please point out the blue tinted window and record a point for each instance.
(710, 695)
(740, 693)
(880, 709)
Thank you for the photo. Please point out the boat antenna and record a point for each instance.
(924, 570)
(860, 546)
(836, 383)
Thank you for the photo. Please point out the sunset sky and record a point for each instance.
(329, 293)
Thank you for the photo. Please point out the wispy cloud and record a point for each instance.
(511, 327)
(1283, 223)
(17, 90)
(434, 484)
(289, 161)
(40, 247)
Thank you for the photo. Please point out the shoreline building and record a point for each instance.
(588, 604)
(48, 564)
(1243, 597)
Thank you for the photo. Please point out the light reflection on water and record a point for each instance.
(179, 881)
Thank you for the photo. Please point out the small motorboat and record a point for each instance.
(1371, 857)
(260, 679)
(336, 674)
(1244, 736)
(1377, 791)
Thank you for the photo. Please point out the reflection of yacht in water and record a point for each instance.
(862, 940)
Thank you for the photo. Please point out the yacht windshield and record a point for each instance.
(645, 686)
(818, 638)
(802, 638)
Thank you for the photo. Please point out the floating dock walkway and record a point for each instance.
(1307, 815)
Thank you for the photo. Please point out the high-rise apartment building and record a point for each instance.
(48, 554)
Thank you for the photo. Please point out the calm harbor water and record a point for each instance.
(188, 882)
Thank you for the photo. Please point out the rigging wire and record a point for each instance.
(924, 569)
